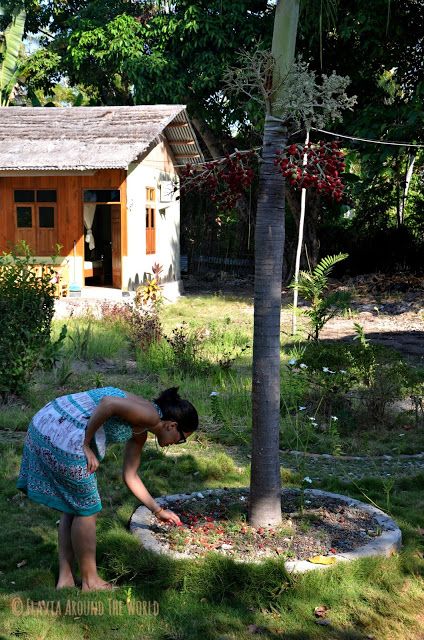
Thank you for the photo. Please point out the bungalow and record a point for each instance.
(99, 181)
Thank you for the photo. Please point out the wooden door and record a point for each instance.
(46, 229)
(116, 246)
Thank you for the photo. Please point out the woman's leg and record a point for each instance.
(66, 552)
(83, 535)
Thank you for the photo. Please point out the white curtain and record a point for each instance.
(89, 211)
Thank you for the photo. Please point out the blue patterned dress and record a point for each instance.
(54, 467)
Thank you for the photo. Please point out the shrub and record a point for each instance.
(118, 312)
(26, 311)
(186, 345)
(145, 322)
(145, 328)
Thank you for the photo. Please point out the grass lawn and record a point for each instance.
(212, 598)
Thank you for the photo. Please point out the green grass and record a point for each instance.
(212, 598)
(90, 339)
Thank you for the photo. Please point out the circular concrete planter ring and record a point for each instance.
(386, 544)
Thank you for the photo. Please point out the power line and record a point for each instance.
(330, 133)
(393, 144)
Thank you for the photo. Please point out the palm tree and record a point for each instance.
(265, 483)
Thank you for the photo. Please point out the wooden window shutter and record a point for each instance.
(150, 220)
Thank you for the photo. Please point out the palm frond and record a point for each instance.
(324, 267)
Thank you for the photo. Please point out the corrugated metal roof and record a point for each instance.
(90, 138)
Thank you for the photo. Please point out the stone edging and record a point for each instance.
(329, 456)
(387, 543)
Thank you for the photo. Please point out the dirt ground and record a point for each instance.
(390, 308)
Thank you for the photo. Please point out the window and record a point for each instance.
(24, 196)
(105, 196)
(46, 195)
(150, 220)
(36, 220)
(24, 217)
(46, 217)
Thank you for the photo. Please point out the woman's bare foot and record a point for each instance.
(96, 585)
(65, 583)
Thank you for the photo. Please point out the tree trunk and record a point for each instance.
(265, 484)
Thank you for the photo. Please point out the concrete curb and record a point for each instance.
(329, 456)
(386, 544)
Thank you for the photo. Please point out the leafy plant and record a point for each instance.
(335, 439)
(116, 312)
(10, 46)
(185, 344)
(145, 324)
(364, 359)
(388, 385)
(80, 339)
(145, 328)
(228, 357)
(313, 287)
(52, 353)
(26, 311)
(63, 371)
(150, 292)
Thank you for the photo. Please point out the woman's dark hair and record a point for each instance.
(174, 408)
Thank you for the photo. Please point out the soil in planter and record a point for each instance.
(324, 526)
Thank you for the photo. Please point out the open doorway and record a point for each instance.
(102, 246)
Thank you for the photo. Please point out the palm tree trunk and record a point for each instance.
(265, 486)
(265, 483)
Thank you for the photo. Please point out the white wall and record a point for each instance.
(156, 167)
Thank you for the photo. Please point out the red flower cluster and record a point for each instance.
(225, 180)
(322, 171)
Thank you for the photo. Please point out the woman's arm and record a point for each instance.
(131, 478)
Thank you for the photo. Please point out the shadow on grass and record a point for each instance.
(212, 598)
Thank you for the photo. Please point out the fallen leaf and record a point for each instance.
(22, 563)
(323, 560)
(321, 611)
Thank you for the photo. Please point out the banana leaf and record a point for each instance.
(10, 44)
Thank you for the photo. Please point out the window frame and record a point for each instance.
(32, 234)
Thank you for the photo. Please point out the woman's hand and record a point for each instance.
(92, 462)
(168, 516)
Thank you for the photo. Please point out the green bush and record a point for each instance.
(26, 312)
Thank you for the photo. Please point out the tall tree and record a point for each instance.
(145, 52)
(389, 84)
(265, 483)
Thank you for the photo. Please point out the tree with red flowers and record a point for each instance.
(289, 91)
